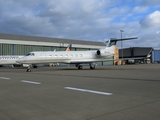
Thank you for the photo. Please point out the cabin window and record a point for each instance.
(80, 55)
(76, 55)
(71, 55)
(66, 56)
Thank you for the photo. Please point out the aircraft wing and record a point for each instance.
(97, 60)
(86, 61)
(131, 58)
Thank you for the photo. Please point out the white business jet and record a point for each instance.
(11, 60)
(72, 57)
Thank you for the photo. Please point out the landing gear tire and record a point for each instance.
(28, 70)
(80, 67)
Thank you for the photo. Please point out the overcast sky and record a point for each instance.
(92, 20)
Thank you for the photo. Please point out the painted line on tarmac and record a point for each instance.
(89, 91)
(31, 82)
(5, 78)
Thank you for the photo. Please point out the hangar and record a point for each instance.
(21, 45)
(143, 53)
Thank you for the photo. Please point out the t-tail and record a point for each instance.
(113, 41)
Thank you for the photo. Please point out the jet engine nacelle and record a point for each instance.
(102, 52)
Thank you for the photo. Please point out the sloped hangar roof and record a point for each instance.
(47, 39)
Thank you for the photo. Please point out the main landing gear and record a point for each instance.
(79, 66)
(92, 66)
(29, 68)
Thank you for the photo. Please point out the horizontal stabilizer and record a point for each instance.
(113, 41)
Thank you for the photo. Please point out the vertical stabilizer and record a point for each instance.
(69, 47)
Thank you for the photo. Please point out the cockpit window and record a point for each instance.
(30, 54)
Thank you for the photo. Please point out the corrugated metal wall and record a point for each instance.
(126, 53)
(141, 51)
(156, 56)
(135, 52)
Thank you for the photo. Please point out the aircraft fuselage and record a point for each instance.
(64, 57)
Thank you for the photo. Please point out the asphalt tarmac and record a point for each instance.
(127, 92)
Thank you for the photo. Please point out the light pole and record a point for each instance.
(121, 45)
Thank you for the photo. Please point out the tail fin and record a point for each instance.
(69, 47)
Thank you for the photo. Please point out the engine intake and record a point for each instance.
(98, 52)
(102, 52)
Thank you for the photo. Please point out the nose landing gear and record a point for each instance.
(29, 68)
(92, 66)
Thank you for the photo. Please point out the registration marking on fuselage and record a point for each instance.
(31, 82)
(90, 91)
(5, 78)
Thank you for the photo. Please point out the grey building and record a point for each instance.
(143, 53)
